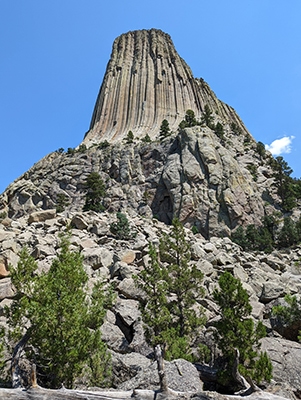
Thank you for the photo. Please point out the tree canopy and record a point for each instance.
(60, 326)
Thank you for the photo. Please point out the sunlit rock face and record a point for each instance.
(146, 81)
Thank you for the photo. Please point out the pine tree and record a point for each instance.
(189, 120)
(164, 128)
(130, 137)
(95, 193)
(237, 331)
(284, 183)
(288, 235)
(60, 325)
(172, 288)
(121, 229)
(207, 117)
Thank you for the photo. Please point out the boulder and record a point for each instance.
(97, 257)
(286, 359)
(181, 376)
(41, 216)
(3, 270)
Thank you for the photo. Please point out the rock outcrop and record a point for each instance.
(210, 180)
(146, 81)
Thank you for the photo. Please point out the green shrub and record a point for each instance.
(146, 139)
(130, 137)
(219, 131)
(103, 145)
(82, 148)
(253, 170)
(260, 148)
(121, 229)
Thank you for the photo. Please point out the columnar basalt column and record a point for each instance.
(145, 82)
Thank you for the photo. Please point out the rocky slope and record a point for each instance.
(212, 182)
(266, 278)
(191, 175)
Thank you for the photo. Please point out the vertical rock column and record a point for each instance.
(145, 82)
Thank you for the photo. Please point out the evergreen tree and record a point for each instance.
(207, 117)
(290, 314)
(61, 327)
(121, 229)
(95, 193)
(172, 288)
(189, 120)
(164, 128)
(219, 131)
(130, 137)
(146, 139)
(288, 235)
(260, 148)
(284, 183)
(155, 312)
(184, 281)
(237, 331)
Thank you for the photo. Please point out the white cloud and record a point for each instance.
(280, 146)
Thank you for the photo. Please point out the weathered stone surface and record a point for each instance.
(286, 359)
(41, 216)
(141, 103)
(97, 257)
(3, 270)
(181, 376)
(6, 290)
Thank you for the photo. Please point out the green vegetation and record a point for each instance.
(290, 314)
(82, 148)
(267, 236)
(52, 316)
(207, 118)
(189, 120)
(3, 215)
(260, 149)
(103, 145)
(130, 137)
(71, 151)
(172, 288)
(95, 193)
(253, 170)
(121, 229)
(237, 331)
(146, 139)
(219, 131)
(288, 189)
(235, 129)
(164, 129)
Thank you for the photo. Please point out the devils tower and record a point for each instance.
(207, 177)
(145, 82)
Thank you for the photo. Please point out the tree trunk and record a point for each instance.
(241, 381)
(161, 372)
(15, 368)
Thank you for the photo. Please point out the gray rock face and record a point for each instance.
(190, 175)
(145, 82)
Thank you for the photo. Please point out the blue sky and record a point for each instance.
(54, 54)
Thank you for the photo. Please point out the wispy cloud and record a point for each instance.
(280, 146)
